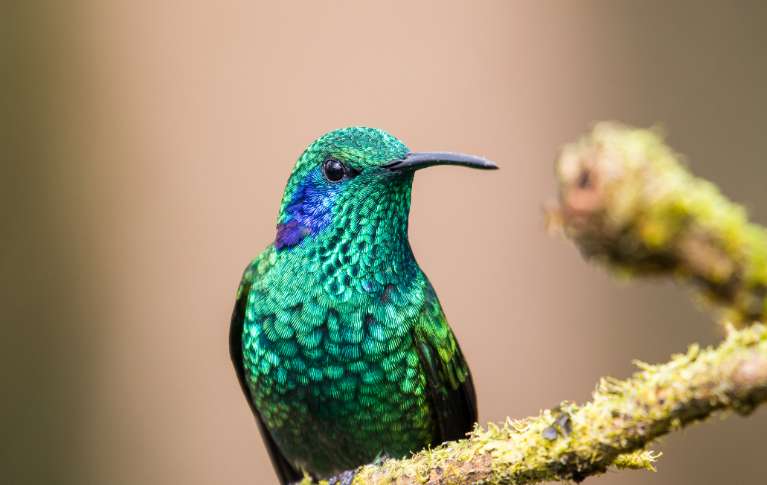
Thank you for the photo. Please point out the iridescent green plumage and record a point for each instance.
(338, 337)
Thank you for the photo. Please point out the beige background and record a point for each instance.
(149, 143)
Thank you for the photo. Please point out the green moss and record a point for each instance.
(643, 213)
(573, 441)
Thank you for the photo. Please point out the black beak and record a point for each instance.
(415, 161)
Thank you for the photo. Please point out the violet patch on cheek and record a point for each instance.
(309, 211)
(290, 234)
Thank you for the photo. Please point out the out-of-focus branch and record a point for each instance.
(627, 201)
(572, 442)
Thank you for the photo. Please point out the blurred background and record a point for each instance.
(146, 146)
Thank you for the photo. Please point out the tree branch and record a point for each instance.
(572, 442)
(627, 202)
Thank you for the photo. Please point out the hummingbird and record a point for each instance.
(337, 336)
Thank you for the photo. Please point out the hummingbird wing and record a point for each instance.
(449, 382)
(286, 472)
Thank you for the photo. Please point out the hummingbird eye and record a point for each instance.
(333, 170)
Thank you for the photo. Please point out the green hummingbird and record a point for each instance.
(338, 339)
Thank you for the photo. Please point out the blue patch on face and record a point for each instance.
(290, 234)
(309, 211)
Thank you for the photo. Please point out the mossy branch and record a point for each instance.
(626, 201)
(572, 442)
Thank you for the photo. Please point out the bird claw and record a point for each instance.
(343, 478)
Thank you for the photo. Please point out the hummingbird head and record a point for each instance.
(354, 184)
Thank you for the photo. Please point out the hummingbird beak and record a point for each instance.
(418, 160)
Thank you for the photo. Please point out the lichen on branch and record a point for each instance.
(574, 441)
(626, 200)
